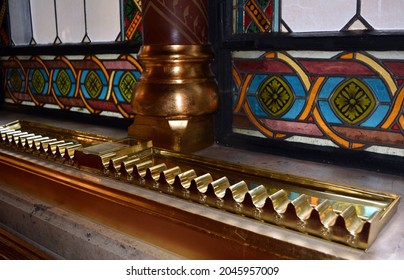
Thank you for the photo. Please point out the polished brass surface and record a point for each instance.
(176, 82)
(344, 214)
(156, 219)
(181, 135)
(106, 157)
(175, 97)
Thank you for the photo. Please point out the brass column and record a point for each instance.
(176, 95)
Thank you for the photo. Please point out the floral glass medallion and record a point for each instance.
(275, 96)
(353, 101)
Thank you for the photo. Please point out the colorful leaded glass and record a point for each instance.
(4, 34)
(69, 21)
(71, 26)
(133, 19)
(94, 83)
(254, 16)
(348, 100)
(20, 28)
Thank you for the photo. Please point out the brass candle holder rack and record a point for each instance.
(344, 214)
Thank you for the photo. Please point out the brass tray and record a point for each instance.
(345, 214)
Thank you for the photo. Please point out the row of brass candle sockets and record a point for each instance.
(44, 146)
(298, 214)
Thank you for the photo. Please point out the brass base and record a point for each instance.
(175, 97)
(176, 81)
(181, 135)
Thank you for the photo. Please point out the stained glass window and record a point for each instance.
(71, 21)
(20, 22)
(133, 19)
(335, 98)
(253, 16)
(103, 20)
(40, 22)
(43, 21)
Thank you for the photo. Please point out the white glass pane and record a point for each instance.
(43, 21)
(383, 14)
(71, 20)
(317, 15)
(103, 20)
(20, 22)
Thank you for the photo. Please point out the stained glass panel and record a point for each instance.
(383, 15)
(253, 16)
(4, 33)
(316, 15)
(103, 20)
(133, 19)
(96, 84)
(20, 22)
(70, 21)
(43, 21)
(334, 99)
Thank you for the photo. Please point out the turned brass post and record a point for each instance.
(177, 94)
